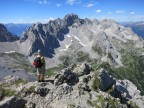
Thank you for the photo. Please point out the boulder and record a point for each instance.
(12, 102)
(42, 91)
(129, 91)
(106, 81)
(67, 76)
(83, 69)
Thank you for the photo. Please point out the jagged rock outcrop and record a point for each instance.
(6, 36)
(83, 69)
(106, 80)
(66, 76)
(12, 102)
(124, 89)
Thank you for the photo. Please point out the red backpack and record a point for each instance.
(37, 62)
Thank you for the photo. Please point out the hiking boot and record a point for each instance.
(39, 81)
(42, 80)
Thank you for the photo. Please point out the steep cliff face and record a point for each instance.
(6, 36)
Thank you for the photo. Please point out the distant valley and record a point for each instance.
(17, 29)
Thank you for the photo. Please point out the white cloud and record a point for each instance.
(98, 11)
(42, 1)
(27, 17)
(39, 1)
(119, 11)
(71, 2)
(90, 5)
(109, 12)
(132, 13)
(58, 4)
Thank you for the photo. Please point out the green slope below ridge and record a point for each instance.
(132, 69)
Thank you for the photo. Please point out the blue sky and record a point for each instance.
(32, 11)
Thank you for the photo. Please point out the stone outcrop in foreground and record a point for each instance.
(71, 88)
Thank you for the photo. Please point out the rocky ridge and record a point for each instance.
(72, 88)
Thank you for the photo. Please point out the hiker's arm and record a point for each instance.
(43, 60)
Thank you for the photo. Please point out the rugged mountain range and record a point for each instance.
(17, 29)
(5, 35)
(71, 34)
(47, 36)
(137, 27)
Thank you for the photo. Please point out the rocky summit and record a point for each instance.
(77, 86)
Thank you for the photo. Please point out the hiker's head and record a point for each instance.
(39, 51)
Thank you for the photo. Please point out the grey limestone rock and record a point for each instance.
(30, 104)
(12, 102)
(106, 81)
(67, 76)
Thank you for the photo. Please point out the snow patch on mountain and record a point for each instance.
(67, 46)
(10, 52)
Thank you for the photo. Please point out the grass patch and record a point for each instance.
(97, 49)
(113, 102)
(101, 100)
(29, 90)
(82, 56)
(21, 82)
(52, 71)
(7, 92)
(96, 82)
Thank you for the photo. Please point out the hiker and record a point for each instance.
(39, 63)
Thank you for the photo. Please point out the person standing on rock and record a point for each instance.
(39, 63)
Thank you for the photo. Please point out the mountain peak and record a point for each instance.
(70, 19)
(72, 15)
